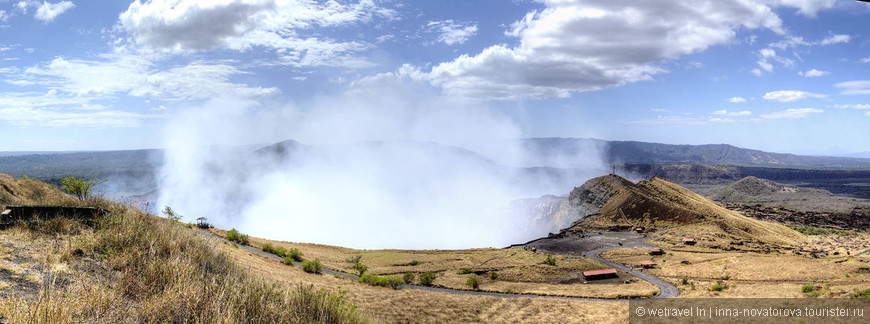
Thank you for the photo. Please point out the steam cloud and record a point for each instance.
(376, 167)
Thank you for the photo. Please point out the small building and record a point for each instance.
(646, 264)
(688, 241)
(638, 230)
(600, 274)
(202, 222)
(656, 252)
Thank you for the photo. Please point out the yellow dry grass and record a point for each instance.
(519, 271)
(415, 306)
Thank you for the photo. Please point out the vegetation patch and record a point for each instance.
(234, 236)
(312, 266)
(408, 278)
(385, 281)
(427, 278)
(473, 282)
(809, 230)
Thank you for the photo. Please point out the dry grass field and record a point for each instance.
(746, 274)
(518, 270)
(416, 306)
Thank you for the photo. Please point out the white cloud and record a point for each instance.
(757, 72)
(836, 39)
(851, 106)
(732, 113)
(135, 74)
(867, 114)
(808, 8)
(241, 25)
(736, 99)
(814, 73)
(794, 113)
(27, 116)
(48, 11)
(857, 87)
(791, 95)
(384, 38)
(4, 16)
(584, 45)
(865, 60)
(450, 32)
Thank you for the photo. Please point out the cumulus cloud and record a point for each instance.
(736, 99)
(48, 11)
(794, 113)
(857, 87)
(814, 73)
(241, 25)
(865, 60)
(450, 32)
(581, 45)
(791, 95)
(836, 39)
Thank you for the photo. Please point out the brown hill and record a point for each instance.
(672, 212)
(26, 191)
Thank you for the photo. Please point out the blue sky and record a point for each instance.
(778, 75)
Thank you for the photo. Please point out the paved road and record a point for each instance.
(865, 251)
(666, 292)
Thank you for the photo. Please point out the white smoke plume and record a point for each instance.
(394, 166)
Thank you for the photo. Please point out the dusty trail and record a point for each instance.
(667, 290)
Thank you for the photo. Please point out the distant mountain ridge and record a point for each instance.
(634, 152)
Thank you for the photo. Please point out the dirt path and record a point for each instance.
(666, 293)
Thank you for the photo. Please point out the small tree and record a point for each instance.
(408, 278)
(78, 187)
(427, 278)
(171, 214)
(473, 282)
(360, 268)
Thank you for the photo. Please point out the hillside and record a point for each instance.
(672, 212)
(131, 267)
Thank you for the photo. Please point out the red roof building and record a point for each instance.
(688, 240)
(600, 274)
(647, 264)
(655, 252)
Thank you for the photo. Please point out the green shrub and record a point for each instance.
(294, 254)
(725, 277)
(413, 262)
(860, 293)
(313, 266)
(171, 214)
(493, 275)
(387, 281)
(408, 278)
(718, 286)
(286, 260)
(550, 260)
(80, 188)
(360, 268)
(807, 288)
(466, 270)
(268, 248)
(234, 236)
(427, 278)
(684, 281)
(473, 282)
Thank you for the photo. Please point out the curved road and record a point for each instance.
(667, 290)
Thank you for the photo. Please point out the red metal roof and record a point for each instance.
(599, 272)
(655, 250)
(647, 262)
(688, 239)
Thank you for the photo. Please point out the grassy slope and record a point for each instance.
(134, 267)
